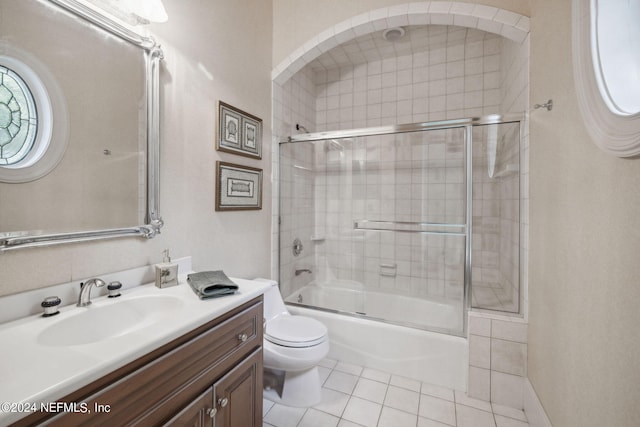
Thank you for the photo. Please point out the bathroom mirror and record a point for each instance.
(101, 80)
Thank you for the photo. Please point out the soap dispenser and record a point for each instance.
(166, 272)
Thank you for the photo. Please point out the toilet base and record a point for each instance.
(300, 389)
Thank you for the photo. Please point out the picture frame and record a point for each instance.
(238, 187)
(238, 132)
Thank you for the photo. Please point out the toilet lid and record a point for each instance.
(295, 331)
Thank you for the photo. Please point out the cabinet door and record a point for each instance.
(238, 395)
(197, 414)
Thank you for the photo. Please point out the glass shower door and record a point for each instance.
(382, 219)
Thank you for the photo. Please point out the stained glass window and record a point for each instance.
(18, 118)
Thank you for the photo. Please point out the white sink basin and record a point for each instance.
(113, 318)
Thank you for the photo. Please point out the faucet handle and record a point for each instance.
(50, 305)
(114, 289)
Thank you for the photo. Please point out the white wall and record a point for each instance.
(214, 50)
(585, 240)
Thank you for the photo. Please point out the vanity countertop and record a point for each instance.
(32, 372)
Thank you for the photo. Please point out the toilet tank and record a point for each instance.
(273, 303)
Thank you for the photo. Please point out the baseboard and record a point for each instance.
(533, 409)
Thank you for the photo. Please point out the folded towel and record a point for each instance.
(211, 284)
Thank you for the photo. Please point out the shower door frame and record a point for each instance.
(467, 124)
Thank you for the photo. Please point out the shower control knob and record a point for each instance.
(297, 247)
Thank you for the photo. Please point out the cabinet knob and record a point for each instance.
(212, 412)
(242, 337)
(223, 402)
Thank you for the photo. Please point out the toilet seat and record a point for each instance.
(295, 331)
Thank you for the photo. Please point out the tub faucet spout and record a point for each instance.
(85, 292)
(303, 270)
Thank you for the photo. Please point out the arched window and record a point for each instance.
(606, 58)
(30, 145)
(615, 43)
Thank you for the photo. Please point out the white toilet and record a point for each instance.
(293, 345)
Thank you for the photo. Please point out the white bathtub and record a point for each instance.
(432, 357)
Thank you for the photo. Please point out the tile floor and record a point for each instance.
(354, 396)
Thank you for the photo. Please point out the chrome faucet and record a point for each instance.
(304, 270)
(85, 292)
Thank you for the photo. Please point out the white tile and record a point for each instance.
(437, 409)
(484, 12)
(463, 399)
(362, 412)
(328, 363)
(333, 402)
(479, 383)
(506, 17)
(370, 390)
(472, 417)
(407, 383)
(480, 351)
(375, 375)
(394, 418)
(508, 357)
(507, 389)
(266, 406)
(502, 421)
(348, 368)
(323, 373)
(403, 399)
(425, 422)
(345, 423)
(438, 391)
(506, 411)
(341, 381)
(511, 331)
(284, 416)
(315, 418)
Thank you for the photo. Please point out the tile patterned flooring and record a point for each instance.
(354, 396)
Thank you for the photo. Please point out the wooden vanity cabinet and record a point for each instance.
(210, 376)
(229, 402)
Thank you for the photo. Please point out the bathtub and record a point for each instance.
(432, 357)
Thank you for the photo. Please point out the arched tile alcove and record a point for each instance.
(507, 24)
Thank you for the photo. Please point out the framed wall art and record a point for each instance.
(238, 187)
(238, 132)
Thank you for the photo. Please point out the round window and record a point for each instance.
(30, 145)
(18, 118)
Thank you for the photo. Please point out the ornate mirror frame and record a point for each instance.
(152, 56)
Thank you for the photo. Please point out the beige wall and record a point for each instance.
(584, 270)
(214, 49)
(297, 21)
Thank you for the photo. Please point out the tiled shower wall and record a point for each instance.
(414, 178)
(458, 76)
(293, 103)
